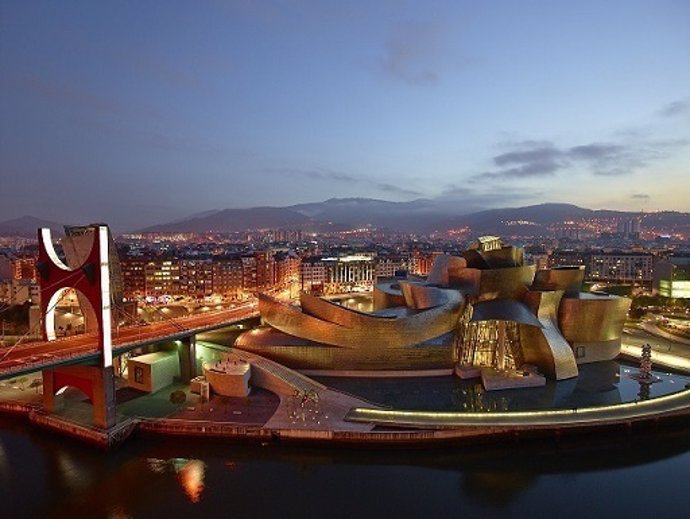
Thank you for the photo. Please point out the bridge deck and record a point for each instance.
(33, 356)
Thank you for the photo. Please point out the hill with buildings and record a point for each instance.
(421, 216)
(544, 219)
(235, 220)
(26, 226)
(418, 216)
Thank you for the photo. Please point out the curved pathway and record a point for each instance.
(674, 404)
(659, 332)
(333, 405)
(666, 352)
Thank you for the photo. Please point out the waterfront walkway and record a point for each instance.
(672, 361)
(342, 418)
(668, 351)
(290, 386)
(660, 332)
(675, 357)
(673, 404)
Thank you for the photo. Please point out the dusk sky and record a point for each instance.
(137, 113)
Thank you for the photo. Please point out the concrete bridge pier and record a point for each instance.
(187, 353)
(98, 383)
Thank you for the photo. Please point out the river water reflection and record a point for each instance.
(632, 475)
(636, 475)
(598, 384)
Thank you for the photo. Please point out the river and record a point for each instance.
(643, 474)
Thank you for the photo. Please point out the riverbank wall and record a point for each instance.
(381, 437)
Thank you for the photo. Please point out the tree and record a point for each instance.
(36, 383)
(636, 313)
(178, 397)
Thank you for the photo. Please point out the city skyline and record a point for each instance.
(318, 258)
(139, 115)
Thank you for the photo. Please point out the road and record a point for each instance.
(633, 336)
(666, 352)
(37, 355)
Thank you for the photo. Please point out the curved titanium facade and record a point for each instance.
(475, 259)
(503, 257)
(334, 313)
(506, 256)
(416, 332)
(366, 331)
(468, 281)
(505, 283)
(593, 325)
(504, 310)
(487, 300)
(422, 297)
(299, 353)
(388, 294)
(568, 279)
(444, 269)
(546, 347)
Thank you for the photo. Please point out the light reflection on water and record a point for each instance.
(598, 384)
(190, 474)
(46, 476)
(585, 476)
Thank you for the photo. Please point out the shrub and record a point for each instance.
(178, 397)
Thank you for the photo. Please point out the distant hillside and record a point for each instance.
(416, 215)
(27, 226)
(502, 221)
(235, 220)
(420, 215)
(505, 221)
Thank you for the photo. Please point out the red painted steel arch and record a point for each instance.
(91, 278)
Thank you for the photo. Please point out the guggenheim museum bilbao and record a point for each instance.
(484, 310)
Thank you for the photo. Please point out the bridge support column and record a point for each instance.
(95, 382)
(187, 353)
(49, 391)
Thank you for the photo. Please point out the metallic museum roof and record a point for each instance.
(504, 310)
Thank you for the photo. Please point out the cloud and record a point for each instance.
(511, 143)
(530, 169)
(453, 190)
(540, 154)
(675, 108)
(531, 159)
(606, 159)
(538, 161)
(413, 53)
(640, 196)
(317, 174)
(542, 158)
(595, 151)
(390, 188)
(477, 199)
(337, 176)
